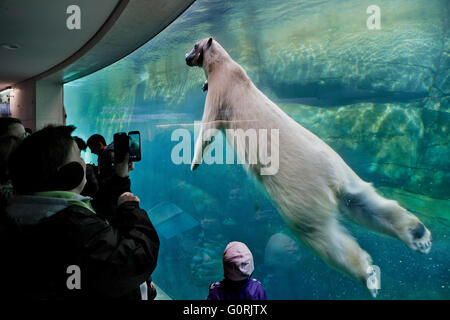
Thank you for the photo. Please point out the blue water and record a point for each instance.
(380, 98)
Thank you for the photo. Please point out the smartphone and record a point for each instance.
(130, 143)
(134, 146)
(120, 146)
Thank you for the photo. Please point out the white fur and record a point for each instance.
(313, 185)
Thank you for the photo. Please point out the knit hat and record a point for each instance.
(237, 261)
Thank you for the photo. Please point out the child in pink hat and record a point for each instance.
(238, 284)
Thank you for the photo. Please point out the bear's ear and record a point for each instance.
(208, 44)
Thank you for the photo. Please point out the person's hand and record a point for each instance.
(127, 196)
(152, 292)
(123, 168)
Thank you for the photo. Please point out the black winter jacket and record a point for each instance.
(115, 248)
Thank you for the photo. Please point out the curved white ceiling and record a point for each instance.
(110, 29)
(39, 28)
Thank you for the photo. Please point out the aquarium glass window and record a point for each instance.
(374, 88)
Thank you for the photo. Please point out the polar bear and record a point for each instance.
(313, 186)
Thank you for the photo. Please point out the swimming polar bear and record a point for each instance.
(313, 186)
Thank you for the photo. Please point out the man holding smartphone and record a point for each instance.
(105, 154)
(111, 244)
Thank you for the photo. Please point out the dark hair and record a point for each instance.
(80, 142)
(34, 163)
(95, 139)
(5, 122)
(28, 130)
(7, 146)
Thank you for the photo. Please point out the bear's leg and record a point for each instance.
(207, 132)
(339, 249)
(364, 206)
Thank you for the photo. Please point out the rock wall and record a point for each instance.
(379, 97)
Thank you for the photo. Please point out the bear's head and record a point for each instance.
(196, 55)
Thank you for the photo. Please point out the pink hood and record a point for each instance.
(237, 261)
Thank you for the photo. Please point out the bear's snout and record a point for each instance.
(188, 60)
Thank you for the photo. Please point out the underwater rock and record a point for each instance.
(429, 210)
(281, 253)
(321, 51)
(381, 96)
(206, 263)
(442, 79)
(170, 220)
(403, 145)
(200, 200)
(340, 61)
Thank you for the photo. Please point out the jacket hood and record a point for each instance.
(237, 261)
(30, 209)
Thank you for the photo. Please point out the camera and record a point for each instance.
(130, 143)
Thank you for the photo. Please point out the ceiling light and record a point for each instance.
(10, 46)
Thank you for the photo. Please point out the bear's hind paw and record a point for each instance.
(420, 239)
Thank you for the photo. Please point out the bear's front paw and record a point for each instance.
(205, 86)
(194, 166)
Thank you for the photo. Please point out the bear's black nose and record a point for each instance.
(188, 60)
